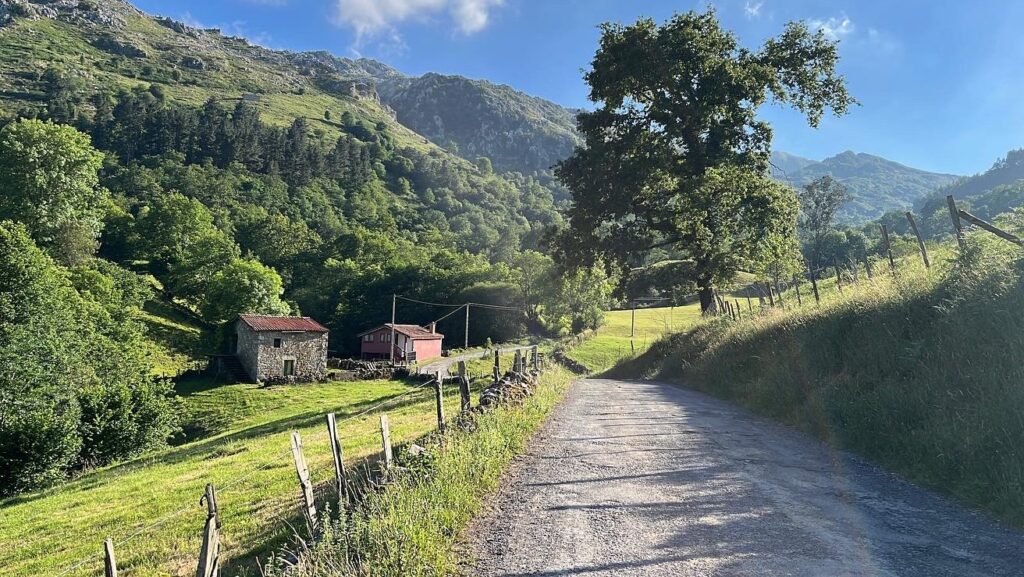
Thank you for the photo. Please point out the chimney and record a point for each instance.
(433, 328)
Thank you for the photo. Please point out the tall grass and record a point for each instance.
(412, 527)
(923, 373)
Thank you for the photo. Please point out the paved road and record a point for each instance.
(638, 478)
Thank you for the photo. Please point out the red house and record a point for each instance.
(412, 343)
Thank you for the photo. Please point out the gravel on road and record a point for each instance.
(641, 478)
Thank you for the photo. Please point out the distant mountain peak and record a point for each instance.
(876, 184)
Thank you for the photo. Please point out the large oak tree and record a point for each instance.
(674, 154)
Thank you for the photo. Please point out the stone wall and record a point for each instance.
(265, 363)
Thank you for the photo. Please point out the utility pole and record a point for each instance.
(391, 347)
(466, 344)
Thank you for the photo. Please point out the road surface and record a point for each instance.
(639, 478)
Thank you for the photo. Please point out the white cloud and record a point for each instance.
(834, 28)
(369, 18)
(752, 9)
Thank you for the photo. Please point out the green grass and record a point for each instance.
(921, 373)
(610, 343)
(245, 453)
(414, 527)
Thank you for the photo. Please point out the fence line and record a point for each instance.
(274, 460)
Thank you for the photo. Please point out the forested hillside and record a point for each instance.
(876, 185)
(148, 164)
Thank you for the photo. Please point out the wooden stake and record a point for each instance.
(771, 297)
(954, 215)
(867, 266)
(888, 248)
(814, 286)
(799, 300)
(990, 227)
(385, 437)
(439, 400)
(302, 471)
(340, 477)
(467, 402)
(109, 563)
(536, 358)
(920, 241)
(839, 278)
(209, 554)
(739, 314)
(750, 305)
(497, 365)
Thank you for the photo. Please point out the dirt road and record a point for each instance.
(637, 478)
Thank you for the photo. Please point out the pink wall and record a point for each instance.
(425, 348)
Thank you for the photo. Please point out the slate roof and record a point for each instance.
(414, 332)
(260, 323)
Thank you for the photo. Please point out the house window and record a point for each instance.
(277, 343)
(368, 338)
(289, 368)
(386, 337)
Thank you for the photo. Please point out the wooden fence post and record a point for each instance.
(839, 278)
(771, 297)
(340, 477)
(814, 286)
(467, 402)
(739, 313)
(990, 227)
(867, 266)
(536, 358)
(920, 241)
(517, 363)
(796, 285)
(888, 248)
(439, 400)
(302, 470)
(954, 215)
(385, 438)
(497, 365)
(209, 554)
(750, 305)
(109, 563)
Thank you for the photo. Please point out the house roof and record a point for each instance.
(414, 332)
(286, 324)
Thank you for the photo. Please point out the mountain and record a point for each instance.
(471, 118)
(516, 131)
(784, 163)
(877, 185)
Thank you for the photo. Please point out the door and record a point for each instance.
(289, 367)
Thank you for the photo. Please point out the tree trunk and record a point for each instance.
(707, 299)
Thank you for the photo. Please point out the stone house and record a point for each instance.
(278, 348)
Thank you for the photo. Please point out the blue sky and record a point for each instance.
(941, 83)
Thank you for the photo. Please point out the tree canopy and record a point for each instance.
(674, 153)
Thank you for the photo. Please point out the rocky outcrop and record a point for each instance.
(119, 47)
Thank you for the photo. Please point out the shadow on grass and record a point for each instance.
(216, 446)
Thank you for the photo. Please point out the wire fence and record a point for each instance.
(275, 460)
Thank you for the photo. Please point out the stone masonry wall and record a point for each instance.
(264, 362)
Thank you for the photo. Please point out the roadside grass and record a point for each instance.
(610, 343)
(414, 527)
(921, 373)
(240, 441)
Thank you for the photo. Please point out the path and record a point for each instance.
(636, 478)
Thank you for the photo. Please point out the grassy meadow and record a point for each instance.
(610, 343)
(241, 444)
